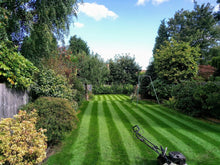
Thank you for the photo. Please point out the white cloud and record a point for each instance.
(96, 11)
(157, 2)
(142, 2)
(78, 25)
(154, 2)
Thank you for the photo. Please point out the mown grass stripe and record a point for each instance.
(214, 140)
(134, 121)
(212, 129)
(150, 126)
(65, 156)
(92, 152)
(124, 97)
(79, 148)
(132, 150)
(104, 140)
(146, 154)
(116, 97)
(119, 151)
(108, 98)
(101, 97)
(195, 145)
(213, 136)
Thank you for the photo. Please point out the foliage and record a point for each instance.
(208, 96)
(114, 89)
(63, 62)
(124, 70)
(77, 45)
(197, 99)
(161, 37)
(162, 89)
(24, 14)
(183, 94)
(196, 27)
(216, 63)
(50, 84)
(176, 61)
(145, 81)
(205, 71)
(92, 69)
(79, 89)
(20, 142)
(56, 115)
(40, 44)
(15, 69)
(3, 24)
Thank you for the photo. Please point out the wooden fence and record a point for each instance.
(10, 101)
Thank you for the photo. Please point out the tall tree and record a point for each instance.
(56, 14)
(77, 45)
(196, 27)
(162, 36)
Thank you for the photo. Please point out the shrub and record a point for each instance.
(50, 84)
(198, 99)
(56, 115)
(162, 89)
(113, 89)
(20, 142)
(208, 96)
(183, 94)
(17, 71)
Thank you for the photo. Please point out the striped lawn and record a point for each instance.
(104, 135)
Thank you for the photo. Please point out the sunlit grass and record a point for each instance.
(104, 134)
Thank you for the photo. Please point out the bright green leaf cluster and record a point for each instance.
(20, 142)
(50, 84)
(176, 61)
(15, 69)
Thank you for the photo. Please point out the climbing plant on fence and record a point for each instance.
(17, 71)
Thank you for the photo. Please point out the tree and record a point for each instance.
(41, 43)
(161, 37)
(176, 61)
(196, 27)
(92, 69)
(77, 45)
(56, 14)
(124, 70)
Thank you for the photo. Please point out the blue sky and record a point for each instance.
(113, 27)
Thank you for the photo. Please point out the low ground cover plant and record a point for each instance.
(20, 142)
(56, 115)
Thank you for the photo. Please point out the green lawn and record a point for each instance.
(104, 135)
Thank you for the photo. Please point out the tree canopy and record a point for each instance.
(176, 61)
(196, 27)
(124, 70)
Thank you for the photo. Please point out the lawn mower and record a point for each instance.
(173, 158)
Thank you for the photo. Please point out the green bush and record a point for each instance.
(208, 96)
(20, 142)
(56, 115)
(183, 94)
(113, 89)
(162, 89)
(198, 99)
(17, 71)
(79, 89)
(52, 85)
